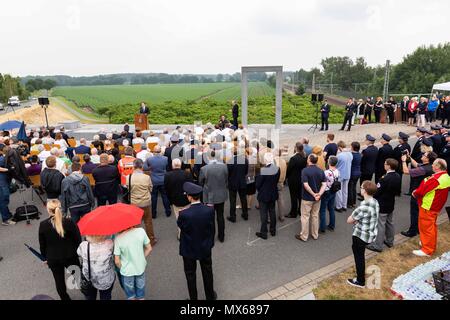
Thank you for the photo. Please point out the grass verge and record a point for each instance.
(392, 262)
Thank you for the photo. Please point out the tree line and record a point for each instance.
(416, 73)
(11, 86)
(47, 82)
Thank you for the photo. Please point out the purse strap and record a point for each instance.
(129, 188)
(89, 260)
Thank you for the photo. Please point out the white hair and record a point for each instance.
(125, 143)
(109, 136)
(96, 137)
(94, 151)
(82, 141)
(36, 135)
(54, 151)
(41, 148)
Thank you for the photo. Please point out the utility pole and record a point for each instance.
(386, 80)
(331, 84)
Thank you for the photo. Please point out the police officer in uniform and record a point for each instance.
(437, 139)
(402, 148)
(197, 240)
(384, 153)
(416, 154)
(368, 161)
(445, 153)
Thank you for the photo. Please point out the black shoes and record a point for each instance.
(244, 217)
(339, 210)
(261, 235)
(273, 233)
(233, 220)
(355, 283)
(290, 216)
(408, 234)
(388, 245)
(321, 231)
(330, 229)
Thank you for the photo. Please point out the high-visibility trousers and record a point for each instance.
(428, 230)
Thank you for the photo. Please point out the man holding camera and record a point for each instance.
(401, 149)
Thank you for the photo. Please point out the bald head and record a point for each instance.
(157, 149)
(176, 164)
(104, 159)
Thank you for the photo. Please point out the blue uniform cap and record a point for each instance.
(436, 127)
(428, 142)
(386, 137)
(421, 129)
(370, 138)
(192, 189)
(403, 136)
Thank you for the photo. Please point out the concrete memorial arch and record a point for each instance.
(279, 91)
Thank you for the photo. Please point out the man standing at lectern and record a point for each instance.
(144, 109)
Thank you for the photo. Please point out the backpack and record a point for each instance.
(23, 212)
(336, 186)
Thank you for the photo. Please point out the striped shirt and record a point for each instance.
(366, 216)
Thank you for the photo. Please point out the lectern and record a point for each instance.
(141, 122)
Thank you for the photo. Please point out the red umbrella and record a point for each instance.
(109, 220)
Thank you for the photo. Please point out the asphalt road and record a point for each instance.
(244, 266)
(23, 104)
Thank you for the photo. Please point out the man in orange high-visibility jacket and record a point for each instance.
(431, 196)
(125, 165)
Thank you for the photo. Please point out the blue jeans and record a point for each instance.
(327, 203)
(77, 213)
(164, 197)
(4, 202)
(134, 286)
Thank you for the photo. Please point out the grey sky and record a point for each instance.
(86, 37)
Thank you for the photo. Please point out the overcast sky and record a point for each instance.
(87, 37)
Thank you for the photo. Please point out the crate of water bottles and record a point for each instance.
(418, 283)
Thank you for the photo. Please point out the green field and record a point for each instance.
(106, 96)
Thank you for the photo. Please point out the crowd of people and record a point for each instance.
(196, 170)
(414, 111)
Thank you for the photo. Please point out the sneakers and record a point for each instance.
(353, 282)
(8, 223)
(420, 253)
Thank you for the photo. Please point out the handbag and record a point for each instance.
(336, 186)
(126, 196)
(86, 284)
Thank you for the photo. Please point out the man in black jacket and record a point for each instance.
(385, 152)
(237, 171)
(388, 188)
(325, 112)
(175, 151)
(107, 181)
(235, 112)
(437, 139)
(293, 174)
(368, 161)
(416, 154)
(51, 179)
(349, 111)
(173, 183)
(402, 148)
(267, 186)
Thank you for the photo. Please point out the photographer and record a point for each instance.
(418, 172)
(4, 190)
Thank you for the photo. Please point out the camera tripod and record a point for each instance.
(315, 126)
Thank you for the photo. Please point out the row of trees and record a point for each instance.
(11, 86)
(415, 74)
(48, 82)
(39, 84)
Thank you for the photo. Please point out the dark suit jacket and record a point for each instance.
(267, 183)
(197, 231)
(388, 187)
(82, 150)
(385, 152)
(173, 183)
(146, 110)
(397, 155)
(325, 110)
(237, 171)
(235, 111)
(294, 170)
(416, 154)
(178, 152)
(437, 143)
(368, 161)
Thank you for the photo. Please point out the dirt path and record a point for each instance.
(75, 113)
(34, 115)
